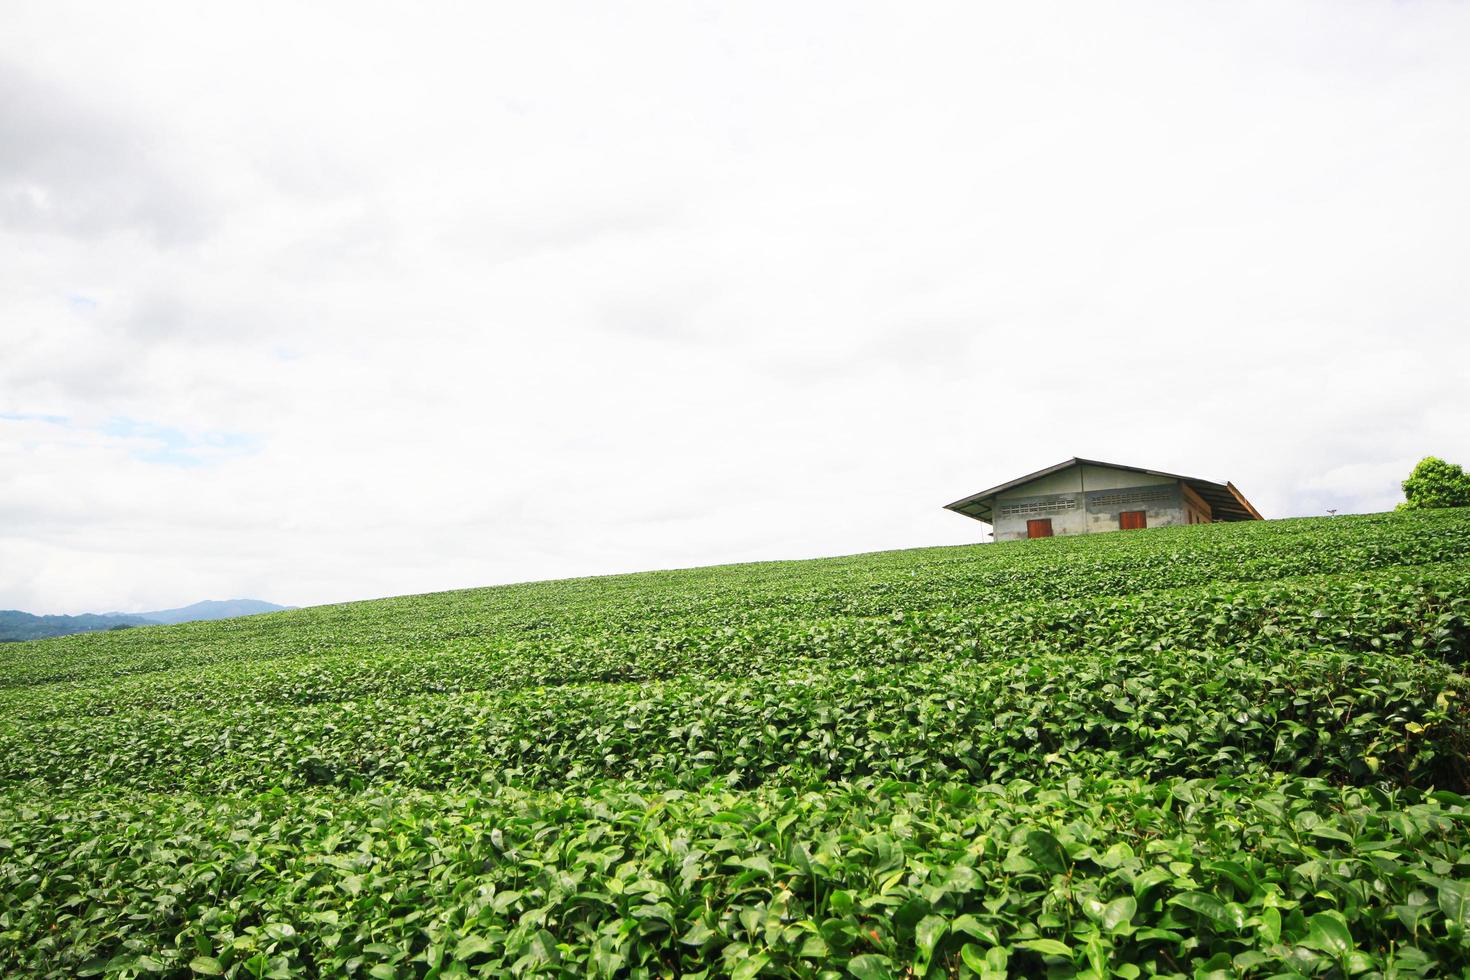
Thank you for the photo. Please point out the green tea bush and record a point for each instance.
(871, 878)
(1225, 750)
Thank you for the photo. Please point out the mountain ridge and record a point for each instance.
(17, 625)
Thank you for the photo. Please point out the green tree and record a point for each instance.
(1435, 483)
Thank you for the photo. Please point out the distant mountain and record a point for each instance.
(16, 625)
(213, 609)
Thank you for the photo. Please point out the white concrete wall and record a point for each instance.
(1063, 481)
(1162, 504)
(1060, 497)
(1107, 478)
(1065, 510)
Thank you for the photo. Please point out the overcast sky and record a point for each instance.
(312, 303)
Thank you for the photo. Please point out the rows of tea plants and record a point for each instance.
(1142, 711)
(870, 878)
(964, 579)
(1423, 610)
(1231, 750)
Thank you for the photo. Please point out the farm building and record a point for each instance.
(1083, 496)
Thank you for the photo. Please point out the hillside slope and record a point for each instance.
(1230, 747)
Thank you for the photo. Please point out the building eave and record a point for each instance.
(1226, 501)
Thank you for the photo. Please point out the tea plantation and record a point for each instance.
(1225, 751)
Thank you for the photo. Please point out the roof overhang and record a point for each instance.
(1226, 502)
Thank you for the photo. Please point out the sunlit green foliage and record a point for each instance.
(1228, 750)
(1436, 483)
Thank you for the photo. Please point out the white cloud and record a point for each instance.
(496, 294)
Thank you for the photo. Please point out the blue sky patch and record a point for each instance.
(161, 445)
(176, 447)
(32, 417)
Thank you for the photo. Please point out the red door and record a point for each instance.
(1133, 520)
(1039, 528)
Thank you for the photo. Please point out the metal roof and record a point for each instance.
(1226, 502)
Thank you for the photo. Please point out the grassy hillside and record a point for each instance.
(1233, 750)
